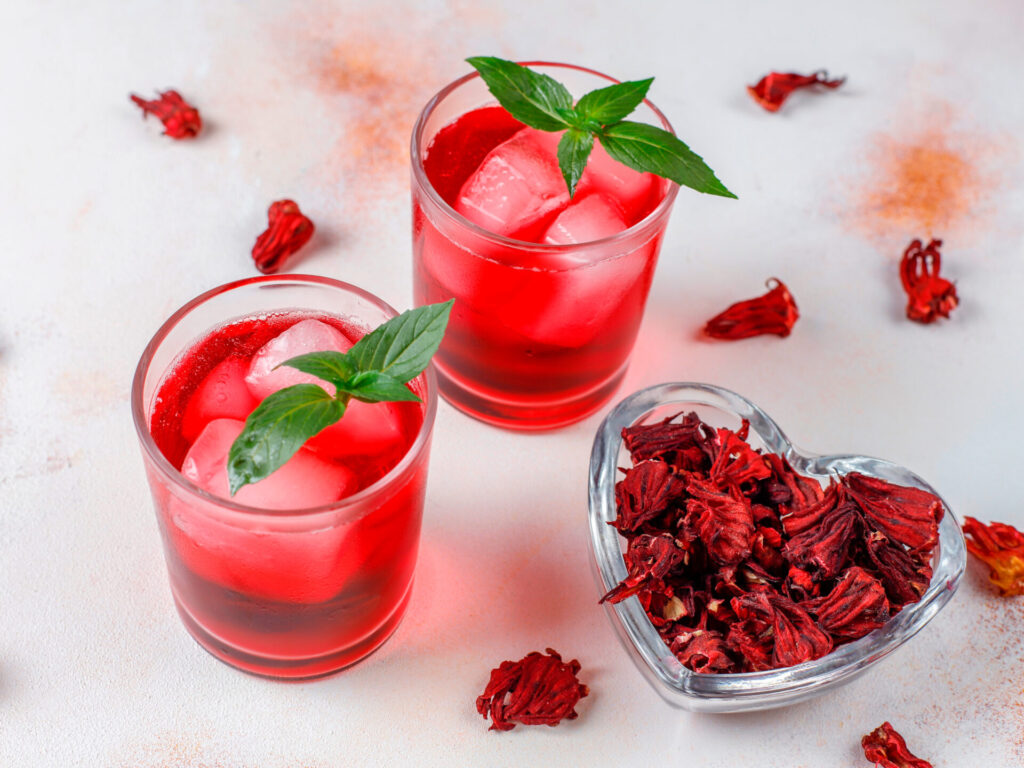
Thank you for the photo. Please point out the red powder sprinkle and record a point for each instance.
(927, 181)
(536, 690)
(287, 231)
(181, 120)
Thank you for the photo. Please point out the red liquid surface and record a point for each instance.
(273, 594)
(536, 339)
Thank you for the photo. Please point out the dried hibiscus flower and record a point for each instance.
(856, 606)
(774, 313)
(181, 120)
(287, 231)
(887, 749)
(1001, 547)
(929, 296)
(536, 690)
(775, 87)
(743, 564)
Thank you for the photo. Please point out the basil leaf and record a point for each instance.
(651, 150)
(612, 104)
(330, 366)
(277, 429)
(573, 151)
(530, 97)
(375, 387)
(402, 347)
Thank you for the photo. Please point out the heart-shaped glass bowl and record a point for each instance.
(748, 691)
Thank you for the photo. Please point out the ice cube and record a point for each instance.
(631, 189)
(221, 395)
(366, 429)
(305, 480)
(303, 337)
(587, 218)
(275, 557)
(575, 295)
(516, 186)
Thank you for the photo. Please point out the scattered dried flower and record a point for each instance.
(773, 313)
(886, 749)
(181, 120)
(1001, 547)
(929, 296)
(287, 231)
(536, 690)
(774, 88)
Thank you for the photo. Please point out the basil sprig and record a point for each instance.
(375, 370)
(543, 103)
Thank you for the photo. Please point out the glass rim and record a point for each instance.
(174, 475)
(743, 691)
(649, 222)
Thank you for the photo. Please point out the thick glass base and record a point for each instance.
(525, 413)
(288, 668)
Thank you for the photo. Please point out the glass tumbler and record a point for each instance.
(292, 593)
(540, 335)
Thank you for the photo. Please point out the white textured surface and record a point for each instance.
(106, 227)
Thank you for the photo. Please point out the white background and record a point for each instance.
(106, 227)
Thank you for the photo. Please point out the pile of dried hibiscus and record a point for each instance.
(742, 564)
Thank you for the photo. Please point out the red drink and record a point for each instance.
(549, 291)
(309, 570)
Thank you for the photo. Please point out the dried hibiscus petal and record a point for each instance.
(736, 462)
(764, 548)
(703, 650)
(856, 606)
(774, 88)
(648, 558)
(686, 444)
(536, 690)
(905, 576)
(287, 231)
(929, 296)
(887, 749)
(808, 514)
(907, 515)
(796, 636)
(647, 490)
(788, 489)
(1001, 547)
(823, 549)
(773, 313)
(181, 120)
(724, 521)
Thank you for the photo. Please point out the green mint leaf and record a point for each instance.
(277, 429)
(530, 97)
(573, 151)
(376, 387)
(651, 150)
(612, 104)
(402, 347)
(330, 366)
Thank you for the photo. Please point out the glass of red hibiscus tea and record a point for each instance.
(743, 574)
(549, 291)
(309, 570)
